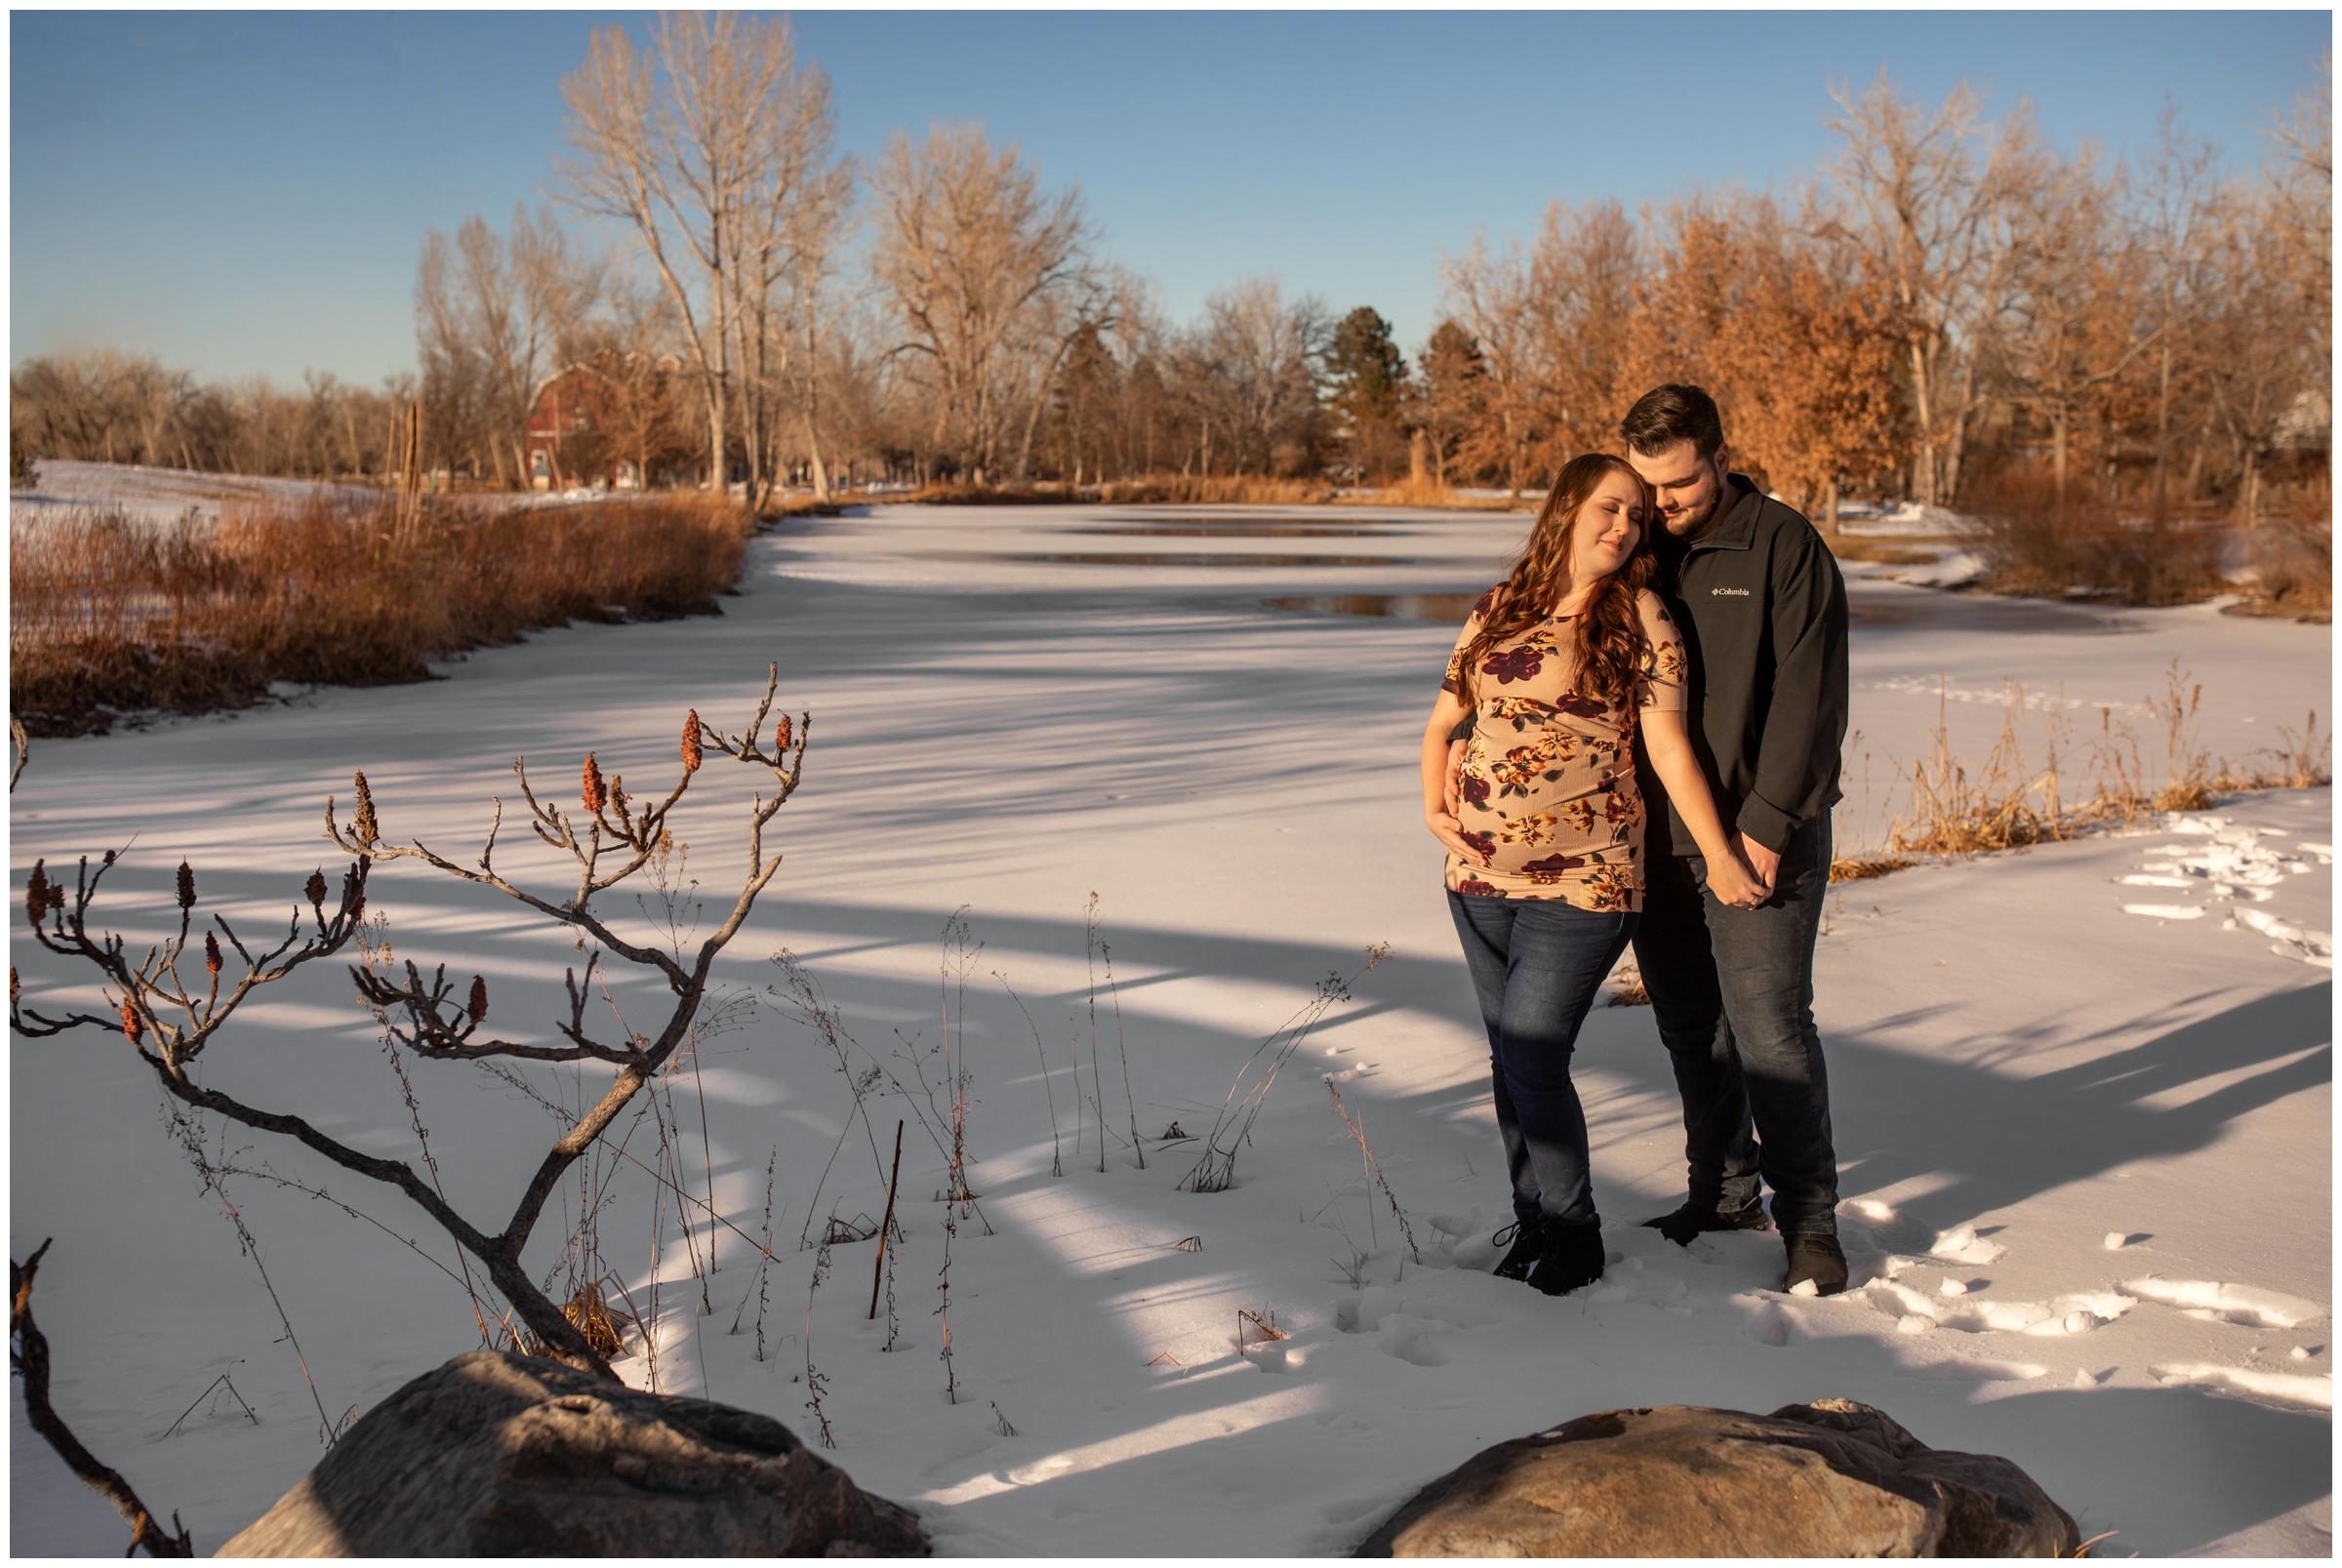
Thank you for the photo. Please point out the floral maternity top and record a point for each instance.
(1548, 776)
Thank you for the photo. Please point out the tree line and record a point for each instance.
(1944, 300)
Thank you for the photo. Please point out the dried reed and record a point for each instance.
(1375, 1167)
(108, 616)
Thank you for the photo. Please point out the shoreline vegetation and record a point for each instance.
(110, 617)
(2030, 788)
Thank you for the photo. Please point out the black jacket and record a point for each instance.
(1763, 614)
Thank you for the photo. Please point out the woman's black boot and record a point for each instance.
(1571, 1258)
(1528, 1245)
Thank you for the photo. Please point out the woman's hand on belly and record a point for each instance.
(1449, 832)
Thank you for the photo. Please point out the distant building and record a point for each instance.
(562, 436)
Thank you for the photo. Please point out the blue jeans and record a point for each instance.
(1733, 993)
(1535, 966)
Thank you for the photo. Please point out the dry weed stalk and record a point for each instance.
(1057, 1150)
(943, 1304)
(28, 1358)
(2300, 760)
(221, 1382)
(1216, 1170)
(1094, 944)
(803, 998)
(814, 1382)
(188, 1130)
(764, 1263)
(607, 846)
(887, 1231)
(1264, 1325)
(1375, 1167)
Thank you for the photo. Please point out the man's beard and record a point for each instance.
(1692, 519)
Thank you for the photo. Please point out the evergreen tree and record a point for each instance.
(1366, 379)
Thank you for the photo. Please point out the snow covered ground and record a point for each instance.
(2085, 1119)
(159, 494)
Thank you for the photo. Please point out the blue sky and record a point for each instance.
(245, 193)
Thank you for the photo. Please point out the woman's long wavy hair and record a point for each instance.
(1612, 649)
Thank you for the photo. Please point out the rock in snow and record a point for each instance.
(1829, 1480)
(497, 1455)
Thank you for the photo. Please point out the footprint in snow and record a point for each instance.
(2215, 1301)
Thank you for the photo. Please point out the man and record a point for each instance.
(1763, 612)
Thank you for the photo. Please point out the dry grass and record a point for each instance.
(1264, 1327)
(109, 617)
(2080, 545)
(1862, 867)
(1627, 987)
(592, 1317)
(1960, 807)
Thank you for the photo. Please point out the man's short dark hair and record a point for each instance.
(1667, 414)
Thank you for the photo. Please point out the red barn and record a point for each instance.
(562, 436)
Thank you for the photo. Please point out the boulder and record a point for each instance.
(511, 1456)
(1828, 1480)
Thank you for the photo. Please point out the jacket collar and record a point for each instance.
(1737, 531)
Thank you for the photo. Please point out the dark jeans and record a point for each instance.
(1733, 992)
(1535, 966)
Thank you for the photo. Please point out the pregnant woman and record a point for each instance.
(1557, 668)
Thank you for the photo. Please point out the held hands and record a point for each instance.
(1743, 877)
(1761, 860)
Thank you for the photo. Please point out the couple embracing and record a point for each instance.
(1638, 741)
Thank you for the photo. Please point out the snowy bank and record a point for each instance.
(2086, 1150)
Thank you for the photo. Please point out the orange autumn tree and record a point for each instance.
(1794, 335)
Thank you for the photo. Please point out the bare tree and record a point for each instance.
(675, 150)
(1931, 195)
(2299, 180)
(1263, 349)
(793, 216)
(1489, 293)
(966, 251)
(497, 318)
(2181, 222)
(2075, 323)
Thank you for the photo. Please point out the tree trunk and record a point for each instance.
(1958, 444)
(1830, 508)
(2162, 438)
